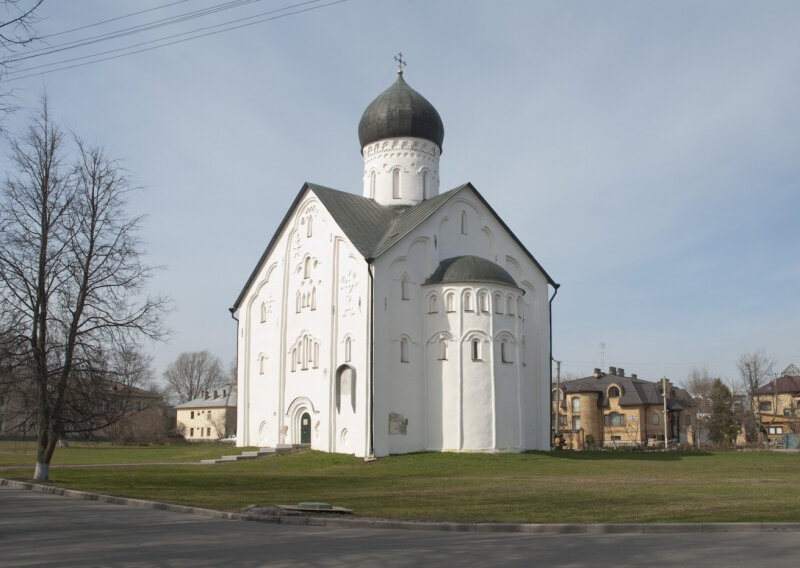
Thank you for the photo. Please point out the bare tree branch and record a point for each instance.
(73, 300)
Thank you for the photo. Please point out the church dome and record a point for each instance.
(460, 269)
(397, 112)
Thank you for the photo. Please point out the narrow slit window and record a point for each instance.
(476, 350)
(404, 350)
(396, 183)
(463, 222)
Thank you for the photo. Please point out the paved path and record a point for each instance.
(38, 529)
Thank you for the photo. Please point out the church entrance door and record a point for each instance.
(305, 428)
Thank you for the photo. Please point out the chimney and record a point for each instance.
(612, 370)
(224, 393)
(634, 376)
(205, 395)
(597, 373)
(216, 394)
(620, 372)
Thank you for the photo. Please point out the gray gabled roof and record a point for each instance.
(228, 399)
(373, 228)
(634, 391)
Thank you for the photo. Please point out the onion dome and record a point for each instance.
(400, 111)
(460, 269)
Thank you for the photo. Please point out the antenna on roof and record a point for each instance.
(400, 62)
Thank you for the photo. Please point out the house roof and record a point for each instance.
(374, 228)
(786, 385)
(633, 391)
(224, 397)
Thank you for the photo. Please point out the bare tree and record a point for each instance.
(755, 369)
(71, 276)
(16, 31)
(193, 373)
(699, 383)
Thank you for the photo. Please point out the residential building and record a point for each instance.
(614, 410)
(209, 417)
(778, 408)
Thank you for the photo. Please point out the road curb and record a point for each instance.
(339, 522)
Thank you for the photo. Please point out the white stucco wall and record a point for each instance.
(416, 162)
(307, 302)
(458, 404)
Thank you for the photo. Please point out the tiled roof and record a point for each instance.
(786, 384)
(633, 391)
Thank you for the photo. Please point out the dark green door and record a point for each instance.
(305, 429)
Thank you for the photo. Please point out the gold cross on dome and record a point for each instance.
(400, 63)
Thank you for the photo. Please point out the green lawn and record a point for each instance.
(533, 487)
(24, 453)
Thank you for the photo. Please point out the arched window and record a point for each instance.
(307, 267)
(613, 392)
(313, 298)
(463, 222)
(396, 183)
(262, 362)
(498, 303)
(403, 350)
(443, 349)
(450, 300)
(263, 312)
(576, 404)
(511, 305)
(556, 395)
(345, 387)
(505, 352)
(483, 302)
(298, 302)
(467, 301)
(404, 288)
(308, 226)
(433, 304)
(425, 185)
(347, 350)
(476, 349)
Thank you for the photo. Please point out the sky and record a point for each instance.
(646, 152)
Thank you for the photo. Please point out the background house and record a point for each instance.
(778, 402)
(613, 410)
(210, 417)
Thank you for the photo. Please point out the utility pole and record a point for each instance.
(558, 393)
(664, 396)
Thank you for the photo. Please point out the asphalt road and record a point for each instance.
(38, 529)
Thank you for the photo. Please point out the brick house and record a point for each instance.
(614, 410)
(779, 406)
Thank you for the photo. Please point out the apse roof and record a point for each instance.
(470, 268)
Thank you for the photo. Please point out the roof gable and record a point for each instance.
(373, 228)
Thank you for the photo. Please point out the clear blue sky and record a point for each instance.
(645, 152)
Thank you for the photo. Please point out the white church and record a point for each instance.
(399, 320)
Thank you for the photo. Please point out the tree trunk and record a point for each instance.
(46, 445)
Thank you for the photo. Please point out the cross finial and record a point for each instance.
(400, 62)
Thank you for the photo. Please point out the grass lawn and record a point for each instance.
(24, 453)
(568, 487)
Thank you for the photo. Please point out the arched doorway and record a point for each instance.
(305, 428)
